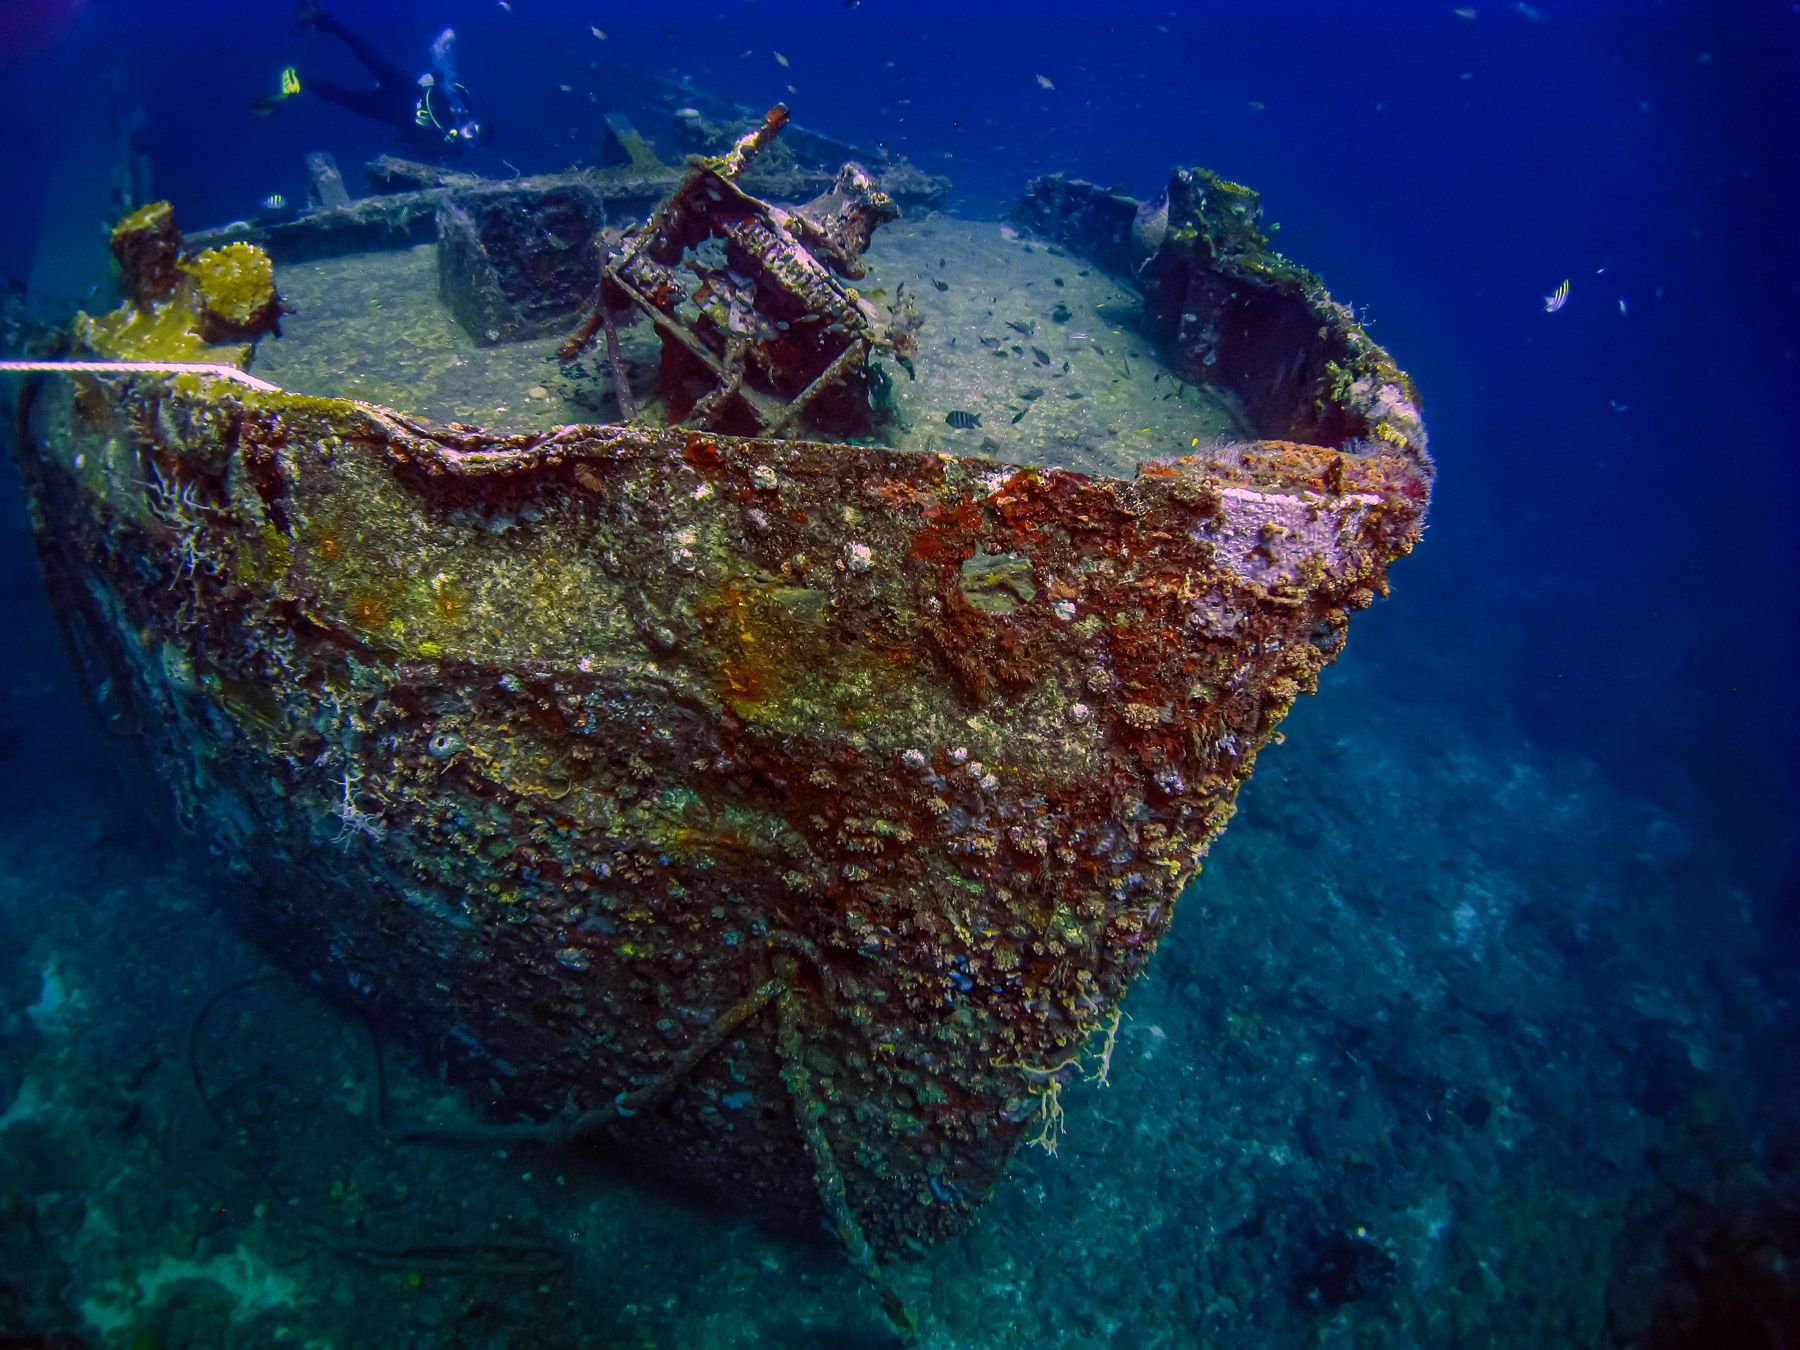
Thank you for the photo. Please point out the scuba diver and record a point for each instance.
(431, 115)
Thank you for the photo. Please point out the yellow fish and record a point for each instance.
(1556, 299)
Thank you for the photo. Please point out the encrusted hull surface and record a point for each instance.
(791, 815)
(563, 748)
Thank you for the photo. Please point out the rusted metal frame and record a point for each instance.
(750, 144)
(615, 361)
(860, 348)
(664, 324)
(731, 383)
(818, 277)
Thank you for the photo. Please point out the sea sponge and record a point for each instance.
(237, 300)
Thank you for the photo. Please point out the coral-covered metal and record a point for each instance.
(795, 815)
(760, 336)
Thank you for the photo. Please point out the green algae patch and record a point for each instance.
(164, 332)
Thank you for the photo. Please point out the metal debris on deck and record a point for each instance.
(760, 337)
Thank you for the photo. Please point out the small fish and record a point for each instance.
(962, 421)
(273, 202)
(1556, 299)
(1044, 82)
(599, 33)
(1464, 11)
(1020, 414)
(1256, 104)
(1041, 356)
(781, 60)
(1621, 304)
(1022, 329)
(941, 285)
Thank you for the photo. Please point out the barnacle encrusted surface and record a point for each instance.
(838, 792)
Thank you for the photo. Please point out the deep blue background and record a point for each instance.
(1611, 562)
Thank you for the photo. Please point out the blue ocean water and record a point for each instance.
(1478, 1027)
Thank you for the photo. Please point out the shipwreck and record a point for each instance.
(746, 682)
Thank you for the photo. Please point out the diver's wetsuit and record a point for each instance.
(395, 99)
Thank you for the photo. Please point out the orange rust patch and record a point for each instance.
(897, 492)
(367, 611)
(753, 672)
(701, 454)
(945, 537)
(693, 840)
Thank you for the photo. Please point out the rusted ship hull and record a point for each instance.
(560, 749)
(792, 815)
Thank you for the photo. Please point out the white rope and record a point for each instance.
(383, 415)
(222, 372)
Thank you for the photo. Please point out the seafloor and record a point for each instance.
(1434, 1054)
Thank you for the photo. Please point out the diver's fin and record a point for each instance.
(268, 103)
